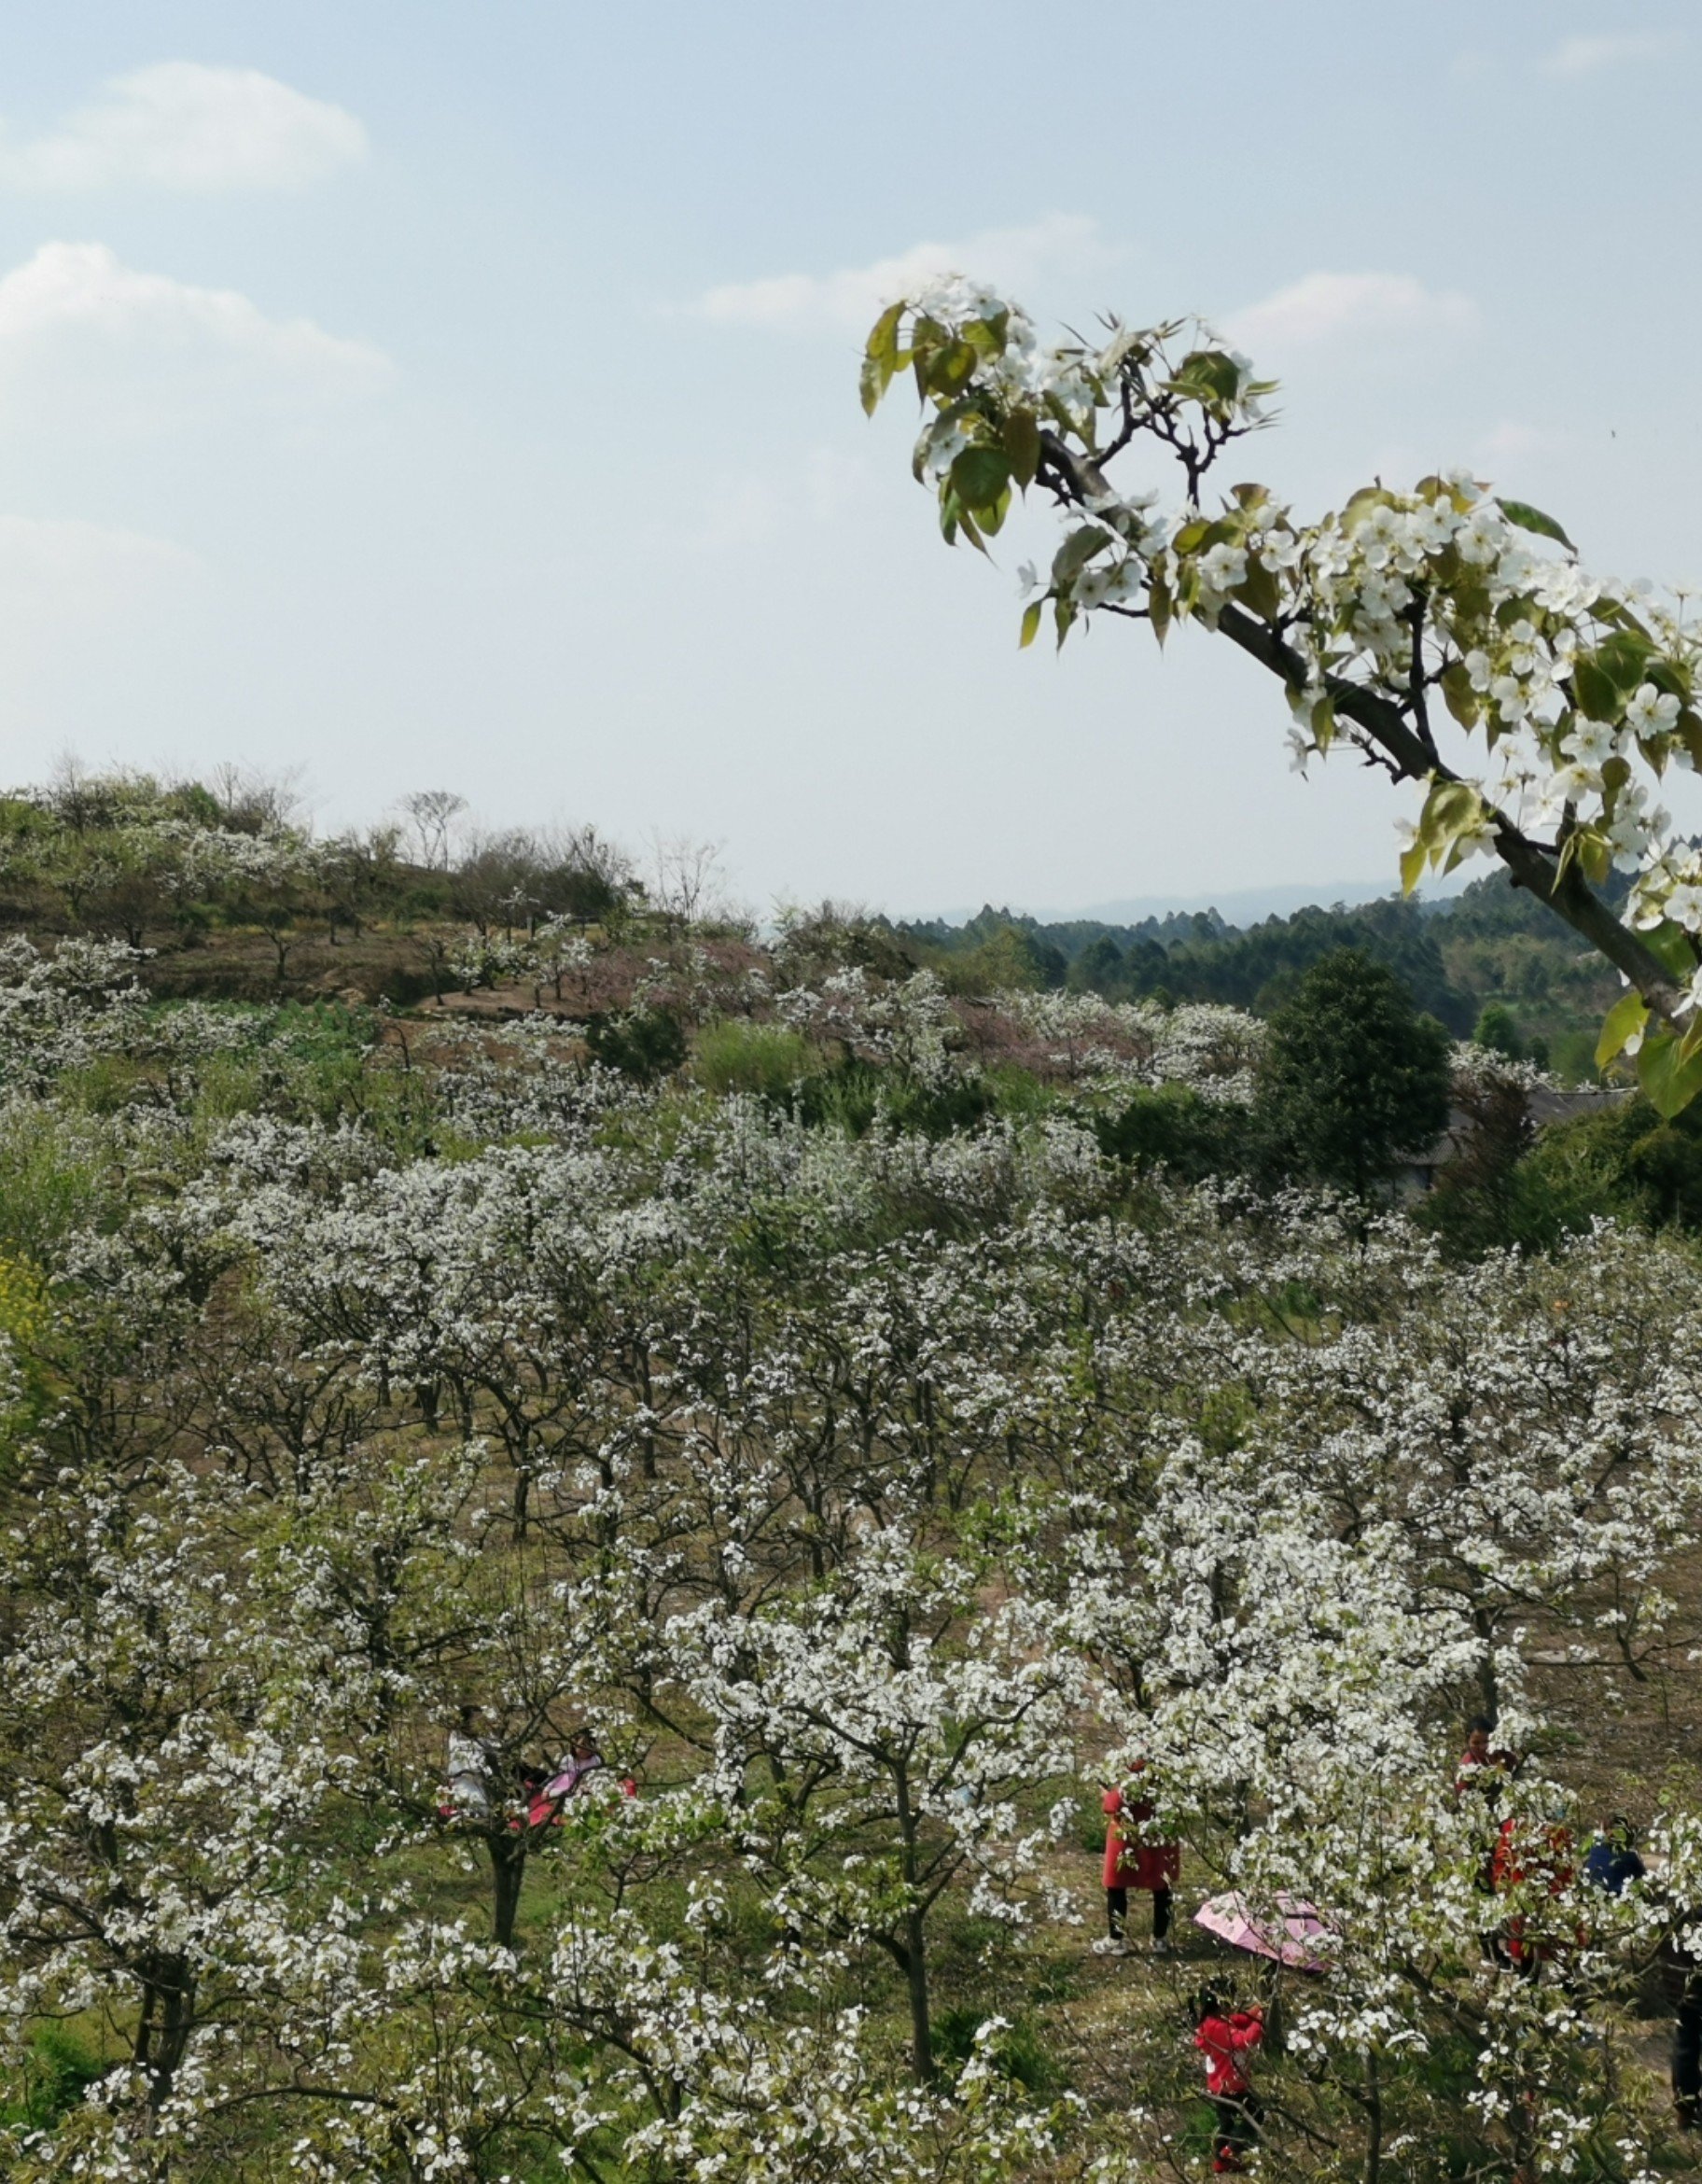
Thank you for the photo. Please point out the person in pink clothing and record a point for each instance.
(1226, 2038)
(1131, 1861)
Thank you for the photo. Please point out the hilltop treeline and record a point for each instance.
(237, 896)
(1492, 949)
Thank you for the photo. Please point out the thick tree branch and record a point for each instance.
(1569, 895)
(1077, 477)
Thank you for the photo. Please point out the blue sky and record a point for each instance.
(464, 396)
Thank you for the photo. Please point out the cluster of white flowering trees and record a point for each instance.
(875, 1500)
(1403, 625)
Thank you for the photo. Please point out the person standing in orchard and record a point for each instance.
(469, 1766)
(1134, 1861)
(1226, 2038)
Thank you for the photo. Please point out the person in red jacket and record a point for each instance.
(1226, 2038)
(1484, 1769)
(1528, 1851)
(1131, 1862)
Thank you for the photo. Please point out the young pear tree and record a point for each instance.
(876, 1739)
(165, 1779)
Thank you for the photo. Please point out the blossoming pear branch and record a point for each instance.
(1401, 624)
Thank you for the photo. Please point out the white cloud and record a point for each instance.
(1329, 307)
(183, 126)
(63, 556)
(1583, 56)
(1010, 258)
(75, 306)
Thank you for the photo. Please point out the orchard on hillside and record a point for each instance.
(1405, 626)
(878, 1482)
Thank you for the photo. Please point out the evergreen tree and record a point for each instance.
(1354, 1080)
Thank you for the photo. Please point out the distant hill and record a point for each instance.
(1237, 908)
(1248, 905)
(1485, 945)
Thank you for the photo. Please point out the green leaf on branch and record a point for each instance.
(1622, 1022)
(955, 517)
(1367, 496)
(1076, 551)
(1031, 624)
(1533, 519)
(1452, 810)
(954, 366)
(1452, 818)
(1625, 657)
(1196, 536)
(1458, 695)
(1672, 944)
(1210, 376)
(980, 475)
(1160, 605)
(1669, 1082)
(1588, 848)
(881, 356)
(1258, 593)
(1594, 689)
(1023, 446)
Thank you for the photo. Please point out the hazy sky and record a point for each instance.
(464, 395)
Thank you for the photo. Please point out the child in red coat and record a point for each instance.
(1226, 2038)
(1131, 1863)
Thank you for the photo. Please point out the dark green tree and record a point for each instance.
(1497, 1029)
(1482, 1202)
(1354, 1081)
(1098, 969)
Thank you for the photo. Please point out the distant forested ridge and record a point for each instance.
(1491, 950)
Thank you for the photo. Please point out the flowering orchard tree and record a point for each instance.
(871, 1741)
(1446, 634)
(1275, 1678)
(1531, 1431)
(166, 1770)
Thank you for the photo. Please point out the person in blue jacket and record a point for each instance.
(1613, 1859)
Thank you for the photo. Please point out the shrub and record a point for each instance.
(55, 2070)
(643, 1043)
(737, 1056)
(1173, 1127)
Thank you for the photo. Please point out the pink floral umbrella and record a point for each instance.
(1286, 1939)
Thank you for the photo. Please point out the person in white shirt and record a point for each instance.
(469, 1766)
